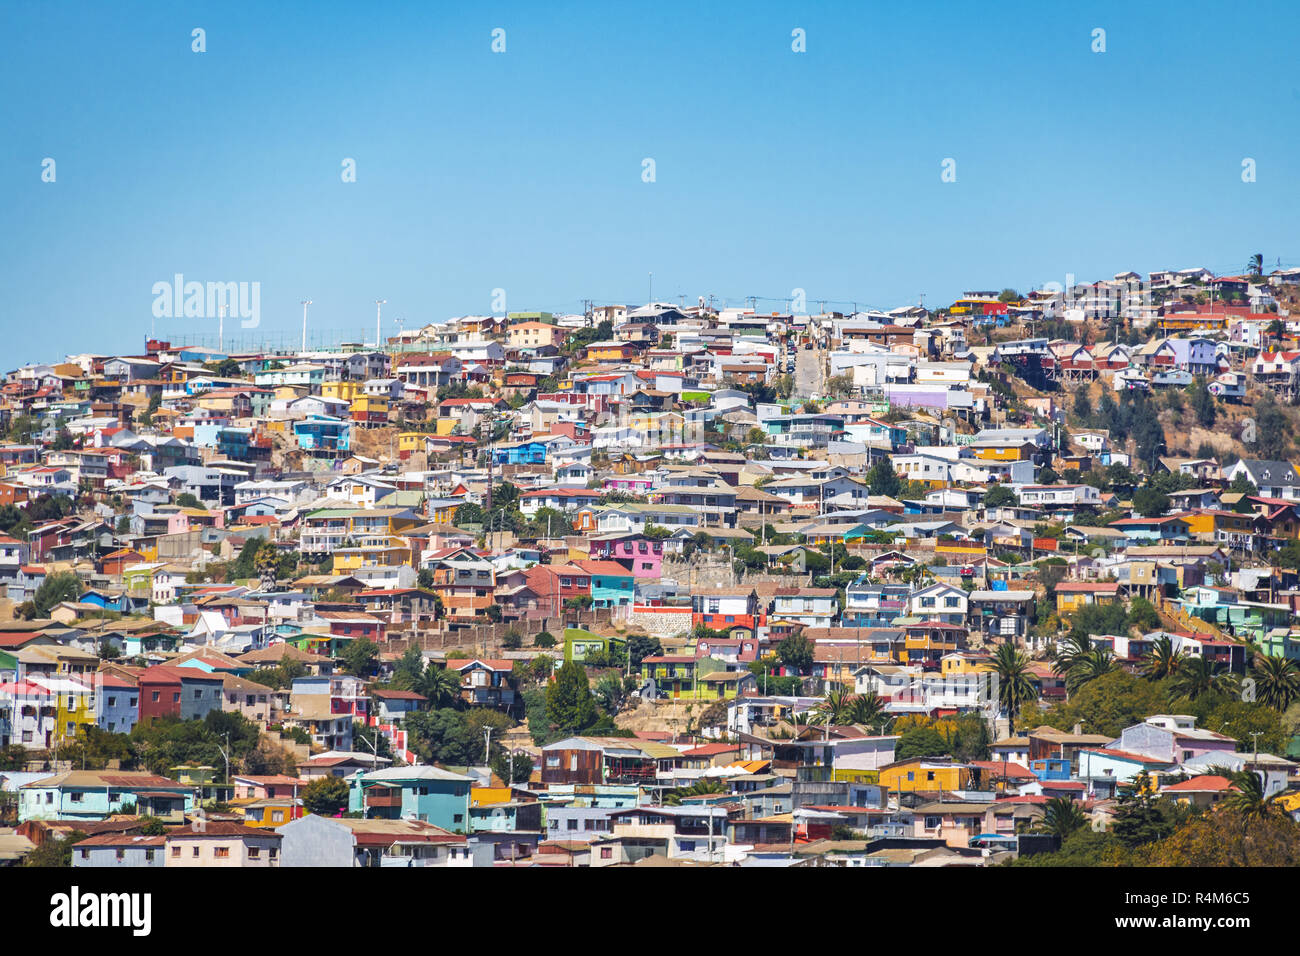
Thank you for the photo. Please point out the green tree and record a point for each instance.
(1015, 688)
(641, 646)
(1197, 676)
(55, 589)
(999, 496)
(360, 656)
(1277, 681)
(1141, 817)
(570, 708)
(1142, 614)
(611, 694)
(1062, 816)
(920, 742)
(1162, 661)
(1150, 503)
(882, 480)
(1272, 430)
(544, 639)
(325, 796)
(796, 653)
(55, 851)
(1202, 403)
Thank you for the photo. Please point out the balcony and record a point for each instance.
(384, 798)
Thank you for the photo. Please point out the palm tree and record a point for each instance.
(1248, 798)
(1277, 680)
(1067, 650)
(1015, 689)
(440, 686)
(1088, 667)
(705, 786)
(867, 710)
(836, 707)
(1062, 816)
(1162, 661)
(1197, 676)
(1255, 264)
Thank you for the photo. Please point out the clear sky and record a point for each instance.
(522, 170)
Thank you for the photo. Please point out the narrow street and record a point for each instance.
(808, 373)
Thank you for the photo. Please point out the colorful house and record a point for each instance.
(423, 793)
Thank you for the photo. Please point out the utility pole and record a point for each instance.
(379, 304)
(305, 303)
(487, 746)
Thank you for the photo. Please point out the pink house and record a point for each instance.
(643, 557)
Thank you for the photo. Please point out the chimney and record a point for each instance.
(1078, 729)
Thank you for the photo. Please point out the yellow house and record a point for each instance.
(445, 425)
(370, 409)
(347, 560)
(488, 796)
(410, 443)
(444, 512)
(1072, 595)
(269, 811)
(1218, 525)
(347, 391)
(1003, 451)
(525, 335)
(925, 774)
(611, 351)
(964, 662)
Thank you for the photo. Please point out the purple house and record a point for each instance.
(643, 557)
(1172, 737)
(1196, 355)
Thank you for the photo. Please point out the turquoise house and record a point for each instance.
(98, 794)
(612, 584)
(425, 793)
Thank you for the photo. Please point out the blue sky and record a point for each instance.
(775, 170)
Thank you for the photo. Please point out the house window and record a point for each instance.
(176, 852)
(606, 853)
(221, 852)
(148, 855)
(932, 823)
(254, 852)
(156, 697)
(195, 852)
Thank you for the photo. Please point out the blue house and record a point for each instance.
(425, 793)
(521, 453)
(119, 850)
(1050, 768)
(322, 433)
